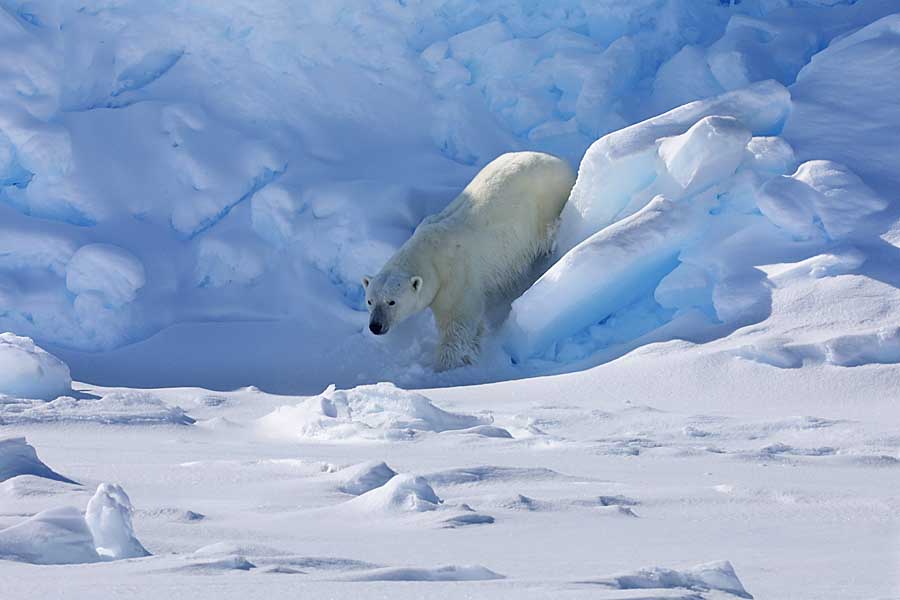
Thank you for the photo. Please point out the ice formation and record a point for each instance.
(28, 371)
(108, 516)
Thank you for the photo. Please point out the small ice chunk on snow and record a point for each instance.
(108, 516)
(380, 411)
(28, 371)
(709, 151)
(111, 271)
(770, 154)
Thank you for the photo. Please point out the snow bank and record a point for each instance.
(108, 515)
(28, 371)
(714, 576)
(380, 411)
(18, 457)
(120, 408)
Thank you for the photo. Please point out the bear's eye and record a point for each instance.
(391, 303)
(369, 302)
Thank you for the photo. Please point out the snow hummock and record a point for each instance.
(718, 576)
(18, 457)
(67, 536)
(401, 493)
(57, 536)
(364, 477)
(126, 407)
(379, 411)
(28, 371)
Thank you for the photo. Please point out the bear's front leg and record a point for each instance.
(459, 346)
(461, 333)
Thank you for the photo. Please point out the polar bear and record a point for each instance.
(481, 246)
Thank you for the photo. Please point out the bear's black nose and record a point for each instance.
(376, 328)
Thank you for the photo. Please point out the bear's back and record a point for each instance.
(516, 187)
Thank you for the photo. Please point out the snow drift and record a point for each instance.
(380, 411)
(714, 576)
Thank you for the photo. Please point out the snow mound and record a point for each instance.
(380, 411)
(445, 573)
(59, 536)
(18, 457)
(718, 576)
(364, 477)
(108, 516)
(488, 431)
(119, 408)
(28, 371)
(402, 493)
(67, 536)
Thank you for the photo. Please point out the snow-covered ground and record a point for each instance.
(699, 398)
(669, 458)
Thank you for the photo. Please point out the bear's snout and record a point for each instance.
(377, 328)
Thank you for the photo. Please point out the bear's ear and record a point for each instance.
(365, 281)
(416, 282)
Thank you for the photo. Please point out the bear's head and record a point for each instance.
(392, 297)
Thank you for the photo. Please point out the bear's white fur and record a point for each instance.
(482, 245)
